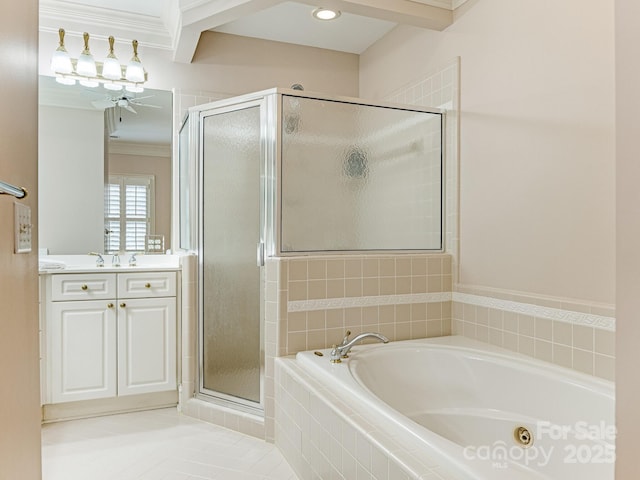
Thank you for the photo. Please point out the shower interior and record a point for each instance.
(289, 173)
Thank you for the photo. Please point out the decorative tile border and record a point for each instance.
(371, 301)
(568, 316)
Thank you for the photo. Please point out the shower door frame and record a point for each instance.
(271, 112)
(200, 113)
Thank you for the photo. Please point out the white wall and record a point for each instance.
(19, 356)
(628, 233)
(71, 179)
(536, 141)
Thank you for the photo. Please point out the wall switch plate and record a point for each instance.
(22, 227)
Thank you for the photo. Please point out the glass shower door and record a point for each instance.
(230, 278)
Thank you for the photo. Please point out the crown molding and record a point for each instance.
(142, 149)
(101, 22)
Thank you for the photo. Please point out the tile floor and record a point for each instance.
(156, 445)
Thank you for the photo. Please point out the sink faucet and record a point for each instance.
(99, 260)
(340, 351)
(132, 260)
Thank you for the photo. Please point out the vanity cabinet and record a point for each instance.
(109, 335)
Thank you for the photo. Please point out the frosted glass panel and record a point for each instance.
(231, 279)
(357, 177)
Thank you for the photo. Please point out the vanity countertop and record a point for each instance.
(67, 264)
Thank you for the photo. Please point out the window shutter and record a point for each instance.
(136, 213)
(112, 217)
(128, 212)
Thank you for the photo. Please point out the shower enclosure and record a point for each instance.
(286, 172)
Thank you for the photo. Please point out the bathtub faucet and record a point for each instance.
(340, 351)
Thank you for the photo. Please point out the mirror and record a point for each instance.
(92, 137)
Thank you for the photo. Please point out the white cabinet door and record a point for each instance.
(146, 345)
(82, 350)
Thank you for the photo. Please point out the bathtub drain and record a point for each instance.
(523, 436)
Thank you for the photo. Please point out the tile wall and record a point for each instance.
(312, 301)
(441, 89)
(185, 99)
(575, 335)
(400, 296)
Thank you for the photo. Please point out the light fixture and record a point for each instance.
(111, 68)
(135, 72)
(325, 13)
(61, 60)
(86, 66)
(90, 73)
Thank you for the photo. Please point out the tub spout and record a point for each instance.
(342, 350)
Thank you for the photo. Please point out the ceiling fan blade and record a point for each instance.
(129, 108)
(102, 104)
(140, 98)
(145, 105)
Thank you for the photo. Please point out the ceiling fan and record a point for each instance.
(123, 101)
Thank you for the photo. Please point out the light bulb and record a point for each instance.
(112, 86)
(135, 71)
(65, 80)
(61, 60)
(86, 64)
(134, 88)
(89, 83)
(111, 68)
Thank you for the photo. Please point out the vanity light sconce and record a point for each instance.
(89, 73)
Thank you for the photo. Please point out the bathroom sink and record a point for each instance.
(87, 263)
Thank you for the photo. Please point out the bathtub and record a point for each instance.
(477, 411)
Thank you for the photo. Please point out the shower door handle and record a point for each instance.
(260, 254)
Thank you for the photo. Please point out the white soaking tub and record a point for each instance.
(479, 411)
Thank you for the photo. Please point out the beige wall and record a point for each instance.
(19, 371)
(160, 168)
(536, 139)
(628, 233)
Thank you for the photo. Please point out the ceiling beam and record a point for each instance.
(185, 44)
(199, 16)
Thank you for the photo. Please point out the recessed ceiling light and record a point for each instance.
(325, 14)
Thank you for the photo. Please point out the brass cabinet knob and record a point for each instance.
(84, 287)
(122, 305)
(109, 305)
(147, 285)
